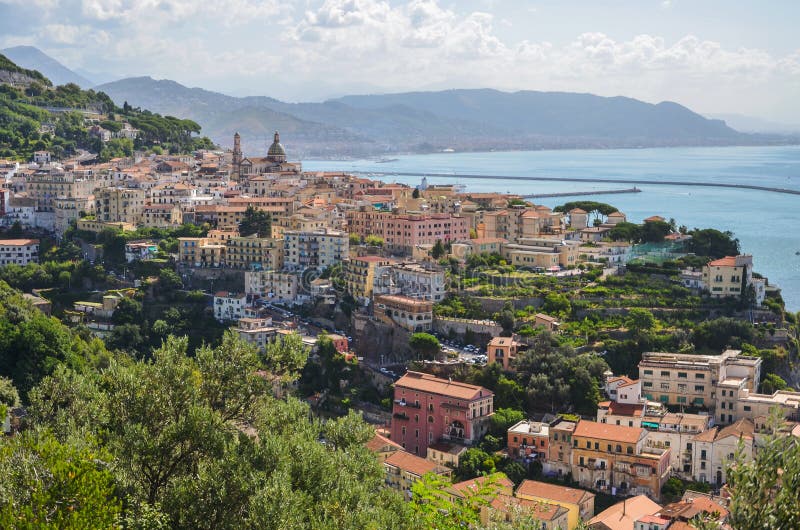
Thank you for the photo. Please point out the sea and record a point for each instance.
(766, 223)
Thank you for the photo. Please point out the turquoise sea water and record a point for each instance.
(767, 224)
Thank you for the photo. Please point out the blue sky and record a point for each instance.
(711, 55)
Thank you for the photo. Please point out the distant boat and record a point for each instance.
(385, 160)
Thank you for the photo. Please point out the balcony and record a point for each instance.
(401, 416)
(404, 403)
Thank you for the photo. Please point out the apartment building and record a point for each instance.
(411, 279)
(359, 275)
(318, 249)
(46, 185)
(69, 209)
(254, 253)
(403, 469)
(19, 251)
(200, 252)
(705, 381)
(716, 448)
(529, 439)
(258, 331)
(429, 409)
(114, 205)
(229, 306)
(411, 314)
(273, 286)
(616, 459)
(403, 232)
(559, 457)
(578, 503)
(161, 215)
(503, 350)
(728, 276)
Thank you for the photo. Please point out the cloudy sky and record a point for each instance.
(715, 56)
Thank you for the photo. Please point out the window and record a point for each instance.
(619, 448)
(629, 450)
(588, 444)
(648, 372)
(703, 454)
(647, 384)
(681, 399)
(682, 375)
(664, 373)
(747, 408)
(699, 376)
(597, 446)
(699, 388)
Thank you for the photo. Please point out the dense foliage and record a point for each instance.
(42, 117)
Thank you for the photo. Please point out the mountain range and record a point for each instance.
(36, 59)
(378, 125)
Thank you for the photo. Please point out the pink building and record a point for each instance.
(404, 232)
(428, 409)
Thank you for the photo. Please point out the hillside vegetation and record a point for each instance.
(37, 116)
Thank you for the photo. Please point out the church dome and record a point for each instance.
(276, 151)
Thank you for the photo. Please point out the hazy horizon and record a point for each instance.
(714, 58)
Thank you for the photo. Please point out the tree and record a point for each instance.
(715, 335)
(506, 319)
(772, 383)
(504, 418)
(438, 249)
(9, 397)
(639, 319)
(47, 484)
(712, 243)
(256, 221)
(425, 345)
(765, 491)
(555, 303)
(355, 239)
(415, 193)
(374, 241)
(168, 281)
(128, 311)
(286, 356)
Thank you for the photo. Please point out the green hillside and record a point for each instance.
(39, 116)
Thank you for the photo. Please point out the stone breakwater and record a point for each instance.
(595, 179)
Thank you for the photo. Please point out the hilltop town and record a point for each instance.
(195, 337)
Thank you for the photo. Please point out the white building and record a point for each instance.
(19, 251)
(229, 306)
(315, 249)
(412, 280)
(278, 287)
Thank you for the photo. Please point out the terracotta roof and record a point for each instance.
(625, 409)
(18, 242)
(624, 514)
(543, 511)
(606, 431)
(555, 492)
(616, 214)
(707, 436)
(498, 483)
(577, 210)
(444, 387)
(411, 463)
(727, 261)
(378, 442)
(743, 428)
(654, 218)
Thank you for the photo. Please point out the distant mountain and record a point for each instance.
(36, 59)
(561, 114)
(482, 119)
(743, 123)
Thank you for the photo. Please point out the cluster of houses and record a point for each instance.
(686, 416)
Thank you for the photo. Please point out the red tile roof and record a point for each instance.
(727, 261)
(411, 463)
(606, 431)
(444, 387)
(544, 490)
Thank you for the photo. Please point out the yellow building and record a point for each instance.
(359, 275)
(248, 252)
(119, 205)
(502, 350)
(616, 459)
(93, 225)
(200, 252)
(728, 276)
(578, 503)
(403, 469)
(161, 215)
